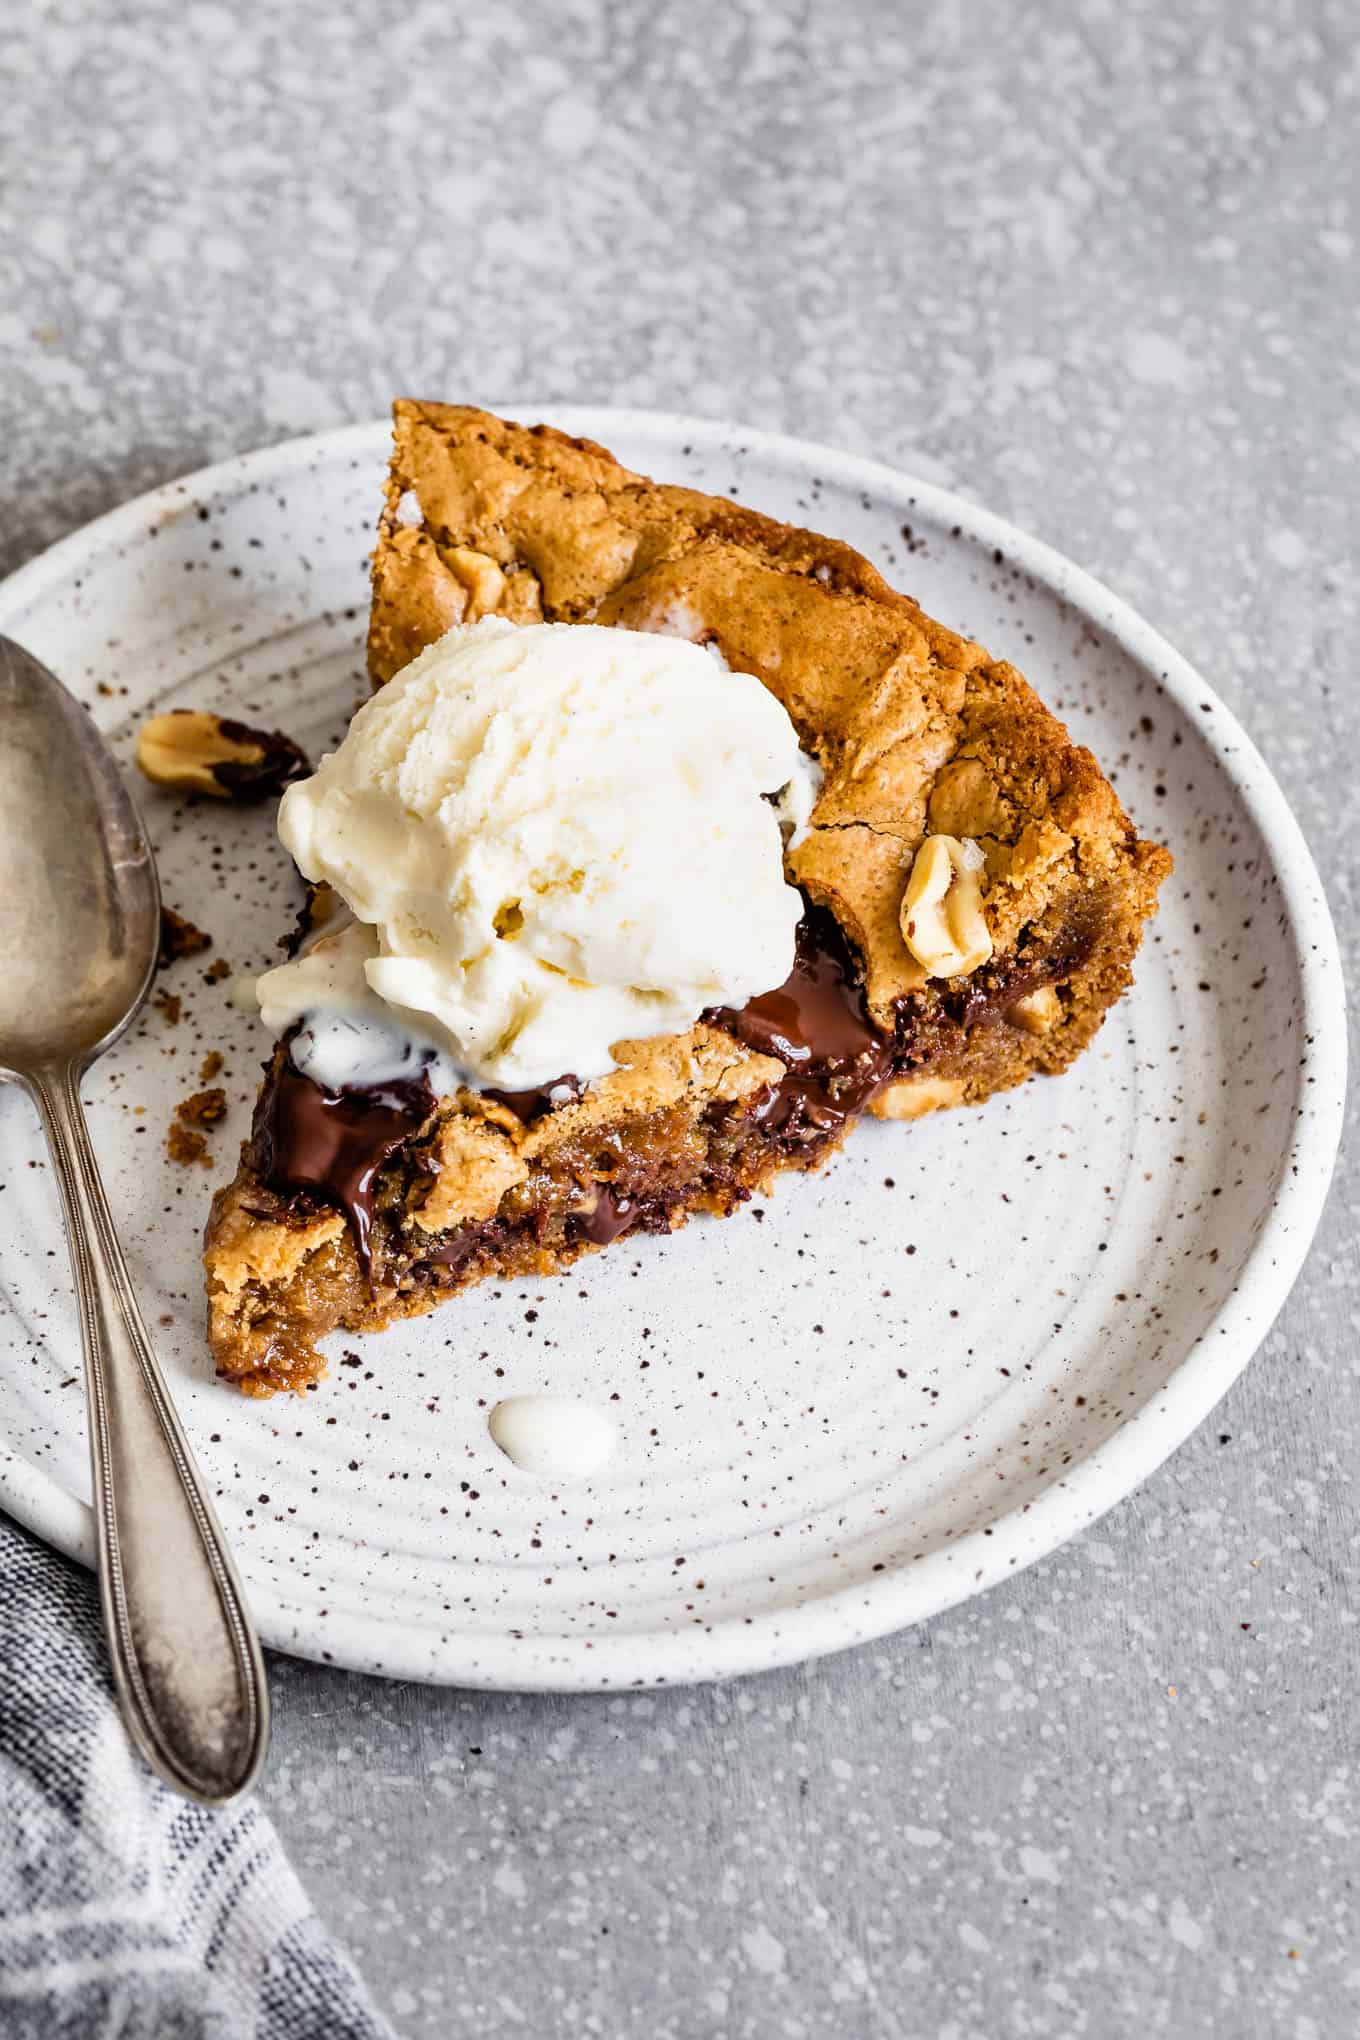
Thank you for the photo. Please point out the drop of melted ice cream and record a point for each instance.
(553, 1435)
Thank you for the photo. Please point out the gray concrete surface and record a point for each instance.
(1095, 265)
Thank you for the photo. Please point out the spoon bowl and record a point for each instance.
(79, 900)
(79, 935)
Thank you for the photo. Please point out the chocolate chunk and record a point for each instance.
(278, 763)
(611, 1217)
(458, 1249)
(989, 994)
(530, 1105)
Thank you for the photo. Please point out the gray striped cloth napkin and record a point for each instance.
(125, 1912)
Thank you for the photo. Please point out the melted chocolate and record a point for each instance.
(817, 1024)
(989, 994)
(530, 1105)
(612, 1216)
(334, 1143)
(280, 761)
(458, 1249)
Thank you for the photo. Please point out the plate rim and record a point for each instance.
(916, 1588)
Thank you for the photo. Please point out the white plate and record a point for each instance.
(874, 1396)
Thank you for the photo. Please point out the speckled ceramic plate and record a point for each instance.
(877, 1392)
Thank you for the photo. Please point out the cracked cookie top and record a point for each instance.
(916, 729)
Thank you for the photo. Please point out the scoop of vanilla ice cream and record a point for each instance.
(554, 837)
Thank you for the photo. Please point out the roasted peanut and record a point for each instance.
(483, 580)
(193, 751)
(942, 919)
(1037, 1011)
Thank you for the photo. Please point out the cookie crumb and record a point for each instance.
(211, 1065)
(179, 937)
(204, 1108)
(183, 1142)
(218, 969)
(186, 1146)
(170, 1006)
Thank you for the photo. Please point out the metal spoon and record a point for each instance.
(79, 930)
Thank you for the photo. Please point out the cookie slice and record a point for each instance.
(974, 898)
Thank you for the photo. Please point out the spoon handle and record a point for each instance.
(186, 1660)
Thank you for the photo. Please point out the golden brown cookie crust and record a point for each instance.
(913, 726)
(918, 731)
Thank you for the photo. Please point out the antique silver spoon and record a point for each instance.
(79, 930)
